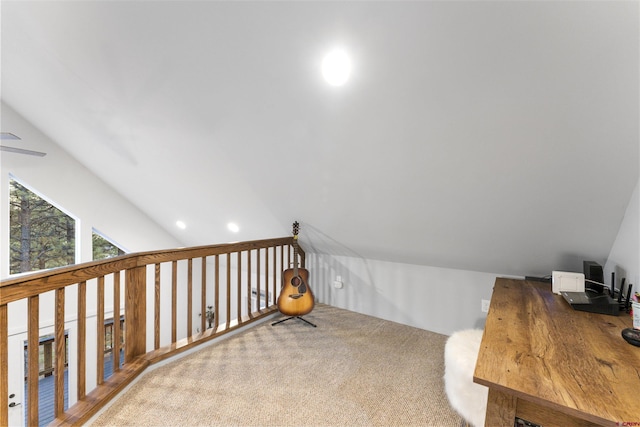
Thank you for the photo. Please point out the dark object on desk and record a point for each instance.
(592, 302)
(594, 277)
(632, 336)
(593, 271)
(621, 290)
(624, 302)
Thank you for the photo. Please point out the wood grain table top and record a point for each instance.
(537, 348)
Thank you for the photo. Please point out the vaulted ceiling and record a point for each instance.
(485, 135)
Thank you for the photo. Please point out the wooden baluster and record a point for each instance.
(82, 339)
(283, 266)
(249, 310)
(275, 275)
(266, 274)
(228, 290)
(258, 290)
(135, 308)
(115, 334)
(189, 297)
(48, 358)
(4, 363)
(217, 292)
(203, 296)
(100, 332)
(60, 354)
(174, 301)
(33, 351)
(239, 285)
(156, 307)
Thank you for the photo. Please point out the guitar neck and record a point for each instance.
(295, 256)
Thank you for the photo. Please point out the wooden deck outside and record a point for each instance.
(46, 392)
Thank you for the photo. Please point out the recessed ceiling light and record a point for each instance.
(336, 67)
(181, 225)
(233, 227)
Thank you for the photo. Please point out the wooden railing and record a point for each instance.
(163, 295)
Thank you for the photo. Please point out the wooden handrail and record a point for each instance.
(258, 266)
(18, 288)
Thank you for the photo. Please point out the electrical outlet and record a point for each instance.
(485, 305)
(338, 282)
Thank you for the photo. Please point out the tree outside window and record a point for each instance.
(103, 248)
(41, 236)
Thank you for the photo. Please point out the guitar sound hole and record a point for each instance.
(296, 281)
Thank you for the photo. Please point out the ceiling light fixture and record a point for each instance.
(233, 227)
(336, 67)
(181, 225)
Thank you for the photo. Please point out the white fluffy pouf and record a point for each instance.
(466, 397)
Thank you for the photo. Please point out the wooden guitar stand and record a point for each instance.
(293, 317)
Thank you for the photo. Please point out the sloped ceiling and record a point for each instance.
(488, 136)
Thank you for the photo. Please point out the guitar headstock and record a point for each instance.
(296, 228)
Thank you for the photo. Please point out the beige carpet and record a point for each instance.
(352, 370)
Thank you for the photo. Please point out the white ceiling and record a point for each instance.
(488, 136)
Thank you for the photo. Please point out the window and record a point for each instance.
(41, 236)
(103, 248)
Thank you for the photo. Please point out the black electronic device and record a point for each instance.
(632, 336)
(593, 275)
(593, 302)
(612, 291)
(621, 290)
(627, 304)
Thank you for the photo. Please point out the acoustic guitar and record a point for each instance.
(296, 298)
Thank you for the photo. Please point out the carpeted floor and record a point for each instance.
(352, 370)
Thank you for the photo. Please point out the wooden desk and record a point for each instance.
(551, 365)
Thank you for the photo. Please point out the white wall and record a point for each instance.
(440, 299)
(72, 187)
(625, 252)
(76, 190)
(437, 299)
